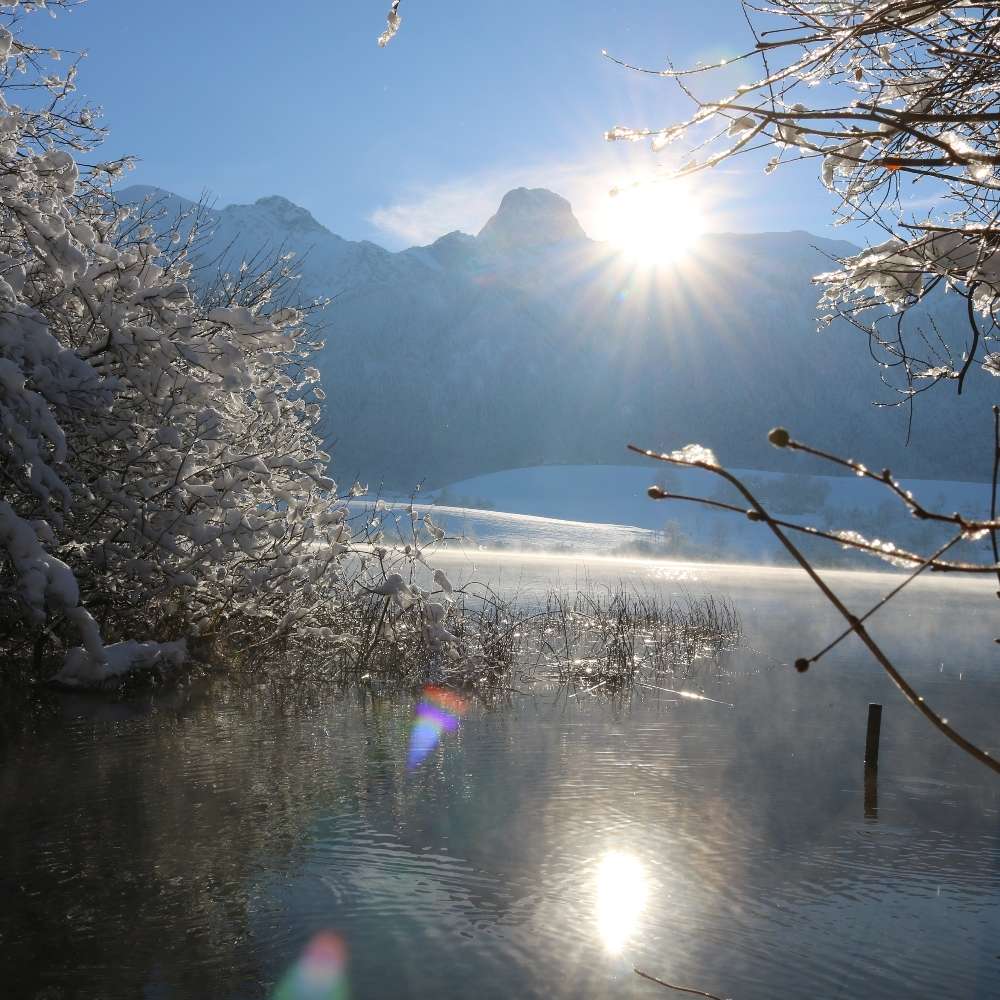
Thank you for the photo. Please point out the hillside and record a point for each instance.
(531, 344)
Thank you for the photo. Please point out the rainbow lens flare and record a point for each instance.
(439, 711)
(319, 974)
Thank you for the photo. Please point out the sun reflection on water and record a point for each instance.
(621, 897)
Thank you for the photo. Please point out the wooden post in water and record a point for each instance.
(871, 741)
(871, 760)
(871, 793)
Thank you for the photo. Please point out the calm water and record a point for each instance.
(191, 845)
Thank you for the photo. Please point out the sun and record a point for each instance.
(621, 896)
(654, 222)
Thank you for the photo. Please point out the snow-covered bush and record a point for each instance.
(158, 455)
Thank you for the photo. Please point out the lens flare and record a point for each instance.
(439, 711)
(621, 896)
(319, 974)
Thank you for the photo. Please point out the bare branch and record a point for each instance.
(692, 457)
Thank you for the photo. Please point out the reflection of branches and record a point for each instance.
(700, 458)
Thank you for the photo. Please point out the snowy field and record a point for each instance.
(604, 510)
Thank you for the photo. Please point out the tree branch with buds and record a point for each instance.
(698, 457)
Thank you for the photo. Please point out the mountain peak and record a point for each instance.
(531, 217)
(288, 213)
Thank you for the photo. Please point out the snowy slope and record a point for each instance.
(468, 528)
(605, 510)
(617, 493)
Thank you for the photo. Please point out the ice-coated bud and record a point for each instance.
(779, 437)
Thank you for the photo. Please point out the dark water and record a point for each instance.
(191, 845)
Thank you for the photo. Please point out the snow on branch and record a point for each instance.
(392, 23)
(897, 105)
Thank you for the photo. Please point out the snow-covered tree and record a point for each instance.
(163, 475)
(897, 102)
(158, 455)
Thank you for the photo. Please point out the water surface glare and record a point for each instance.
(194, 845)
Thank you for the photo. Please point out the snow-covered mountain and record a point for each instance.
(531, 344)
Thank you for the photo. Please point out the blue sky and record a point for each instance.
(242, 98)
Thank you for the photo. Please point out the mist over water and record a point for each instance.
(192, 844)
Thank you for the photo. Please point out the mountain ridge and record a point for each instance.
(529, 343)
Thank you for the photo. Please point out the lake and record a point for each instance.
(192, 843)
